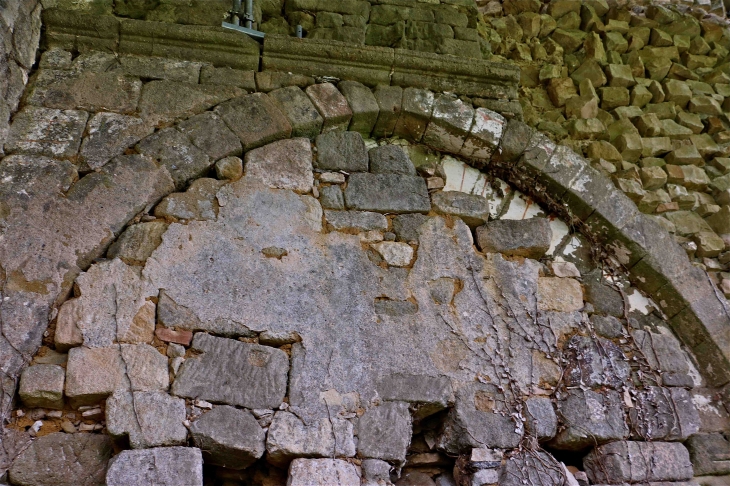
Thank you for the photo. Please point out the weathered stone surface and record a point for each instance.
(472, 209)
(528, 238)
(64, 460)
(288, 438)
(211, 135)
(150, 419)
(626, 461)
(388, 193)
(331, 197)
(168, 101)
(590, 418)
(286, 164)
(331, 105)
(304, 472)
(664, 414)
(595, 362)
(41, 385)
(229, 168)
(559, 294)
(394, 253)
(450, 123)
(255, 119)
(415, 113)
(229, 437)
(138, 242)
(160, 68)
(145, 367)
(172, 149)
(390, 101)
(406, 226)
(541, 421)
(109, 135)
(356, 220)
(198, 202)
(298, 108)
(259, 379)
(478, 420)
(342, 151)
(485, 134)
(709, 454)
(163, 466)
(607, 326)
(384, 432)
(364, 107)
(426, 395)
(532, 468)
(94, 374)
(44, 131)
(390, 159)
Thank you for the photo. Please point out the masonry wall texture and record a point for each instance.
(369, 256)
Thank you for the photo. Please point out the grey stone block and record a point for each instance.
(331, 105)
(145, 367)
(515, 138)
(41, 385)
(170, 101)
(387, 193)
(479, 419)
(298, 108)
(664, 414)
(288, 438)
(485, 134)
(605, 299)
(607, 326)
(160, 68)
(330, 197)
(542, 422)
(637, 462)
(229, 437)
(528, 238)
(150, 419)
(384, 432)
(590, 418)
(305, 472)
(93, 374)
(356, 220)
(341, 151)
(663, 352)
(198, 202)
(472, 209)
(531, 468)
(211, 135)
(709, 454)
(595, 362)
(450, 124)
(173, 150)
(285, 164)
(255, 119)
(162, 466)
(406, 226)
(390, 159)
(364, 108)
(44, 131)
(109, 135)
(63, 460)
(234, 373)
(390, 101)
(415, 114)
(426, 395)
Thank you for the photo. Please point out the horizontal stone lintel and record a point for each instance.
(369, 65)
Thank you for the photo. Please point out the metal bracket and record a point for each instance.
(253, 33)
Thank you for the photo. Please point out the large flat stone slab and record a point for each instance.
(234, 373)
(163, 466)
(387, 193)
(45, 131)
(229, 437)
(255, 119)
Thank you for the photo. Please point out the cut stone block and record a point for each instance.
(255, 119)
(387, 193)
(93, 374)
(286, 164)
(559, 294)
(364, 107)
(342, 151)
(450, 123)
(304, 118)
(164, 102)
(472, 209)
(709, 454)
(63, 460)
(590, 418)
(636, 462)
(109, 135)
(384, 432)
(332, 106)
(406, 226)
(41, 386)
(390, 159)
(395, 253)
(288, 438)
(234, 373)
(229, 437)
(542, 422)
(425, 394)
(306, 472)
(595, 362)
(211, 135)
(145, 367)
(416, 113)
(150, 419)
(532, 468)
(664, 414)
(45, 131)
(138, 242)
(529, 238)
(390, 101)
(198, 202)
(173, 150)
(485, 134)
(162, 466)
